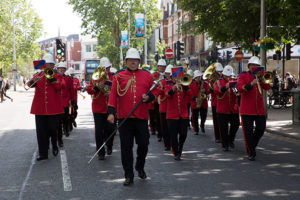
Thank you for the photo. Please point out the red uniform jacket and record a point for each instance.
(195, 88)
(127, 90)
(100, 101)
(212, 93)
(67, 92)
(226, 99)
(47, 96)
(159, 92)
(76, 87)
(177, 102)
(252, 102)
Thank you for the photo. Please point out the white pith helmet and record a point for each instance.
(254, 60)
(219, 67)
(197, 73)
(48, 58)
(228, 70)
(71, 71)
(169, 69)
(133, 54)
(113, 70)
(104, 61)
(190, 72)
(62, 65)
(161, 62)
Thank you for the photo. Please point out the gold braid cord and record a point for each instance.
(121, 92)
(222, 97)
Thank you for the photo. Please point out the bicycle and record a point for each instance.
(279, 99)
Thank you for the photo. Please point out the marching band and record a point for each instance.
(131, 96)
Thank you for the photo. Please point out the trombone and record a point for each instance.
(184, 80)
(49, 73)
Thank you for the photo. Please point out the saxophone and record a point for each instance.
(201, 96)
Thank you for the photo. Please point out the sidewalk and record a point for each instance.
(280, 122)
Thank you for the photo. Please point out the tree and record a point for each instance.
(28, 29)
(238, 21)
(105, 19)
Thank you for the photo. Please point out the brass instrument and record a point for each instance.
(186, 80)
(49, 73)
(211, 73)
(201, 96)
(100, 74)
(267, 77)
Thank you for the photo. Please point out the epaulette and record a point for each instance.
(145, 70)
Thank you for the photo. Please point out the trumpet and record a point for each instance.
(49, 73)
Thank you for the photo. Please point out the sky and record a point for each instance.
(57, 14)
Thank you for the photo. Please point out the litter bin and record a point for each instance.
(296, 105)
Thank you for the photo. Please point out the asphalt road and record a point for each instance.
(205, 171)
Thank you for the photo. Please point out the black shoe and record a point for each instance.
(251, 158)
(109, 151)
(159, 139)
(142, 174)
(55, 151)
(67, 133)
(217, 141)
(153, 133)
(225, 149)
(167, 148)
(177, 157)
(128, 181)
(42, 158)
(202, 129)
(231, 145)
(60, 143)
(74, 124)
(101, 157)
(196, 133)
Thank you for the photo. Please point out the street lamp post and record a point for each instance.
(145, 52)
(129, 25)
(14, 46)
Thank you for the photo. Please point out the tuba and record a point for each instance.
(211, 73)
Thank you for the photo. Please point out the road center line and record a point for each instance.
(28, 175)
(65, 171)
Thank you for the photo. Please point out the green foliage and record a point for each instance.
(28, 29)
(238, 21)
(106, 19)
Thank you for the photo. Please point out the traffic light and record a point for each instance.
(156, 57)
(180, 49)
(288, 51)
(215, 54)
(277, 55)
(228, 56)
(60, 50)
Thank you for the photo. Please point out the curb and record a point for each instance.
(282, 134)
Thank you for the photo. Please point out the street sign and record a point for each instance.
(238, 56)
(169, 53)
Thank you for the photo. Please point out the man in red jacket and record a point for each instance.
(199, 86)
(100, 89)
(67, 95)
(252, 106)
(76, 87)
(129, 87)
(177, 114)
(47, 107)
(227, 108)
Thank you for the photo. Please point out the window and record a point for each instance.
(77, 67)
(88, 48)
(94, 47)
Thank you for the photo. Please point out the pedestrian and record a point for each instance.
(216, 74)
(199, 104)
(47, 106)
(99, 90)
(227, 108)
(67, 101)
(4, 87)
(177, 113)
(252, 106)
(129, 87)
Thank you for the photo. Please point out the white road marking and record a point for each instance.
(28, 175)
(65, 171)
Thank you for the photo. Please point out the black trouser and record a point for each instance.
(103, 129)
(189, 113)
(165, 130)
(177, 126)
(138, 129)
(234, 121)
(252, 137)
(216, 123)
(46, 126)
(155, 120)
(203, 115)
(74, 112)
